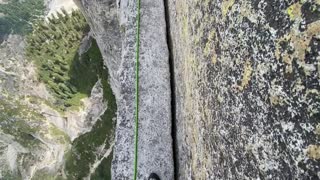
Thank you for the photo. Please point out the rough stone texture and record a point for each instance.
(113, 25)
(247, 88)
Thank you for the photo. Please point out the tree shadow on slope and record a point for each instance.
(54, 47)
(85, 71)
(84, 149)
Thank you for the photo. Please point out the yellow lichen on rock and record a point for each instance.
(207, 49)
(247, 11)
(214, 58)
(276, 100)
(246, 75)
(294, 11)
(210, 47)
(302, 41)
(185, 27)
(211, 35)
(226, 4)
(182, 10)
(313, 151)
(297, 40)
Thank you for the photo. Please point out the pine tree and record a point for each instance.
(55, 44)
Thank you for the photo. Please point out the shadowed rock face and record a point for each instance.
(113, 25)
(247, 88)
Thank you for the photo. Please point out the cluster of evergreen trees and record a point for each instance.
(53, 46)
(18, 15)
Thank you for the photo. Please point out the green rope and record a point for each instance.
(137, 91)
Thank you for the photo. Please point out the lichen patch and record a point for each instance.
(226, 4)
(210, 47)
(247, 11)
(298, 43)
(246, 75)
(313, 152)
(214, 56)
(294, 11)
(275, 100)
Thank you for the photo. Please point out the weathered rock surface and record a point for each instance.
(54, 6)
(246, 77)
(77, 122)
(113, 25)
(247, 88)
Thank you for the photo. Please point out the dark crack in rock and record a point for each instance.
(114, 28)
(246, 86)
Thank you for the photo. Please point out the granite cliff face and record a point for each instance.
(113, 25)
(245, 86)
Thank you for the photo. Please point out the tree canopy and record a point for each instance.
(53, 46)
(17, 16)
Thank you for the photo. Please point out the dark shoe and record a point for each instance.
(153, 176)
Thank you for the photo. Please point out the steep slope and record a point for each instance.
(29, 141)
(113, 25)
(57, 110)
(246, 86)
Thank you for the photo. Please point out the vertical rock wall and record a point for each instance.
(247, 88)
(113, 25)
(246, 77)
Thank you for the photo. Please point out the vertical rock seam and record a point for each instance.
(113, 25)
(172, 86)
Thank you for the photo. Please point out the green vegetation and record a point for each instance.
(8, 175)
(103, 171)
(61, 136)
(12, 121)
(53, 47)
(44, 175)
(18, 15)
(83, 152)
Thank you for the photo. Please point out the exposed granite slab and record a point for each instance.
(247, 88)
(113, 25)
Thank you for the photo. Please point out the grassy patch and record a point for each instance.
(12, 121)
(8, 175)
(61, 136)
